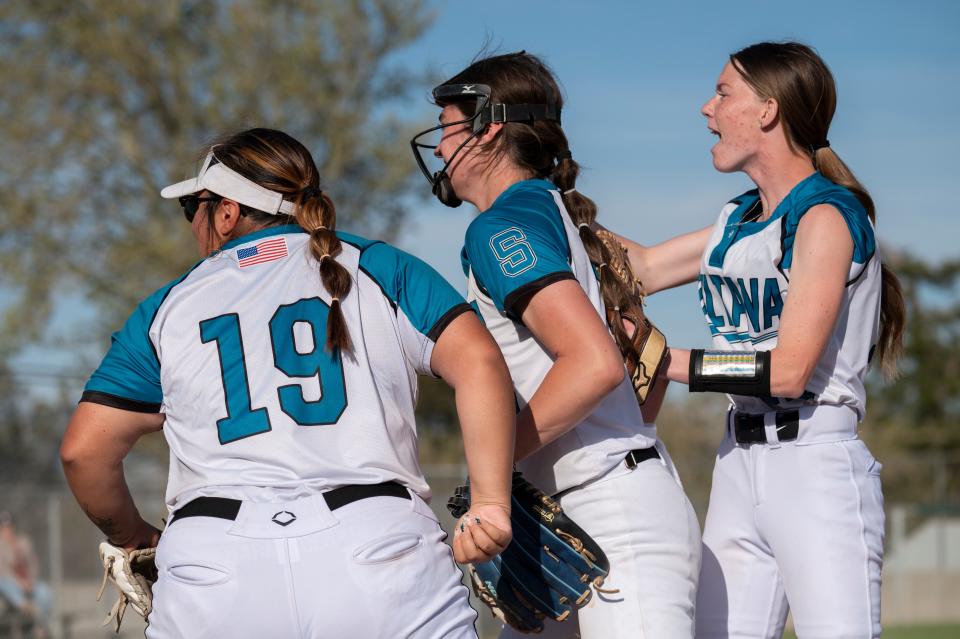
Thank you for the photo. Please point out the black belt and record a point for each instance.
(224, 508)
(640, 455)
(634, 457)
(748, 428)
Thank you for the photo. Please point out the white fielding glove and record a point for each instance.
(132, 574)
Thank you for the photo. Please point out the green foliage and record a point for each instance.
(438, 432)
(911, 423)
(107, 101)
(30, 433)
(928, 391)
(692, 425)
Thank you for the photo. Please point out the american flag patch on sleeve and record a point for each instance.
(263, 251)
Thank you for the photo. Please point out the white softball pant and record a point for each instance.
(374, 568)
(649, 532)
(798, 522)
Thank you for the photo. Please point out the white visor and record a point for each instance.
(226, 182)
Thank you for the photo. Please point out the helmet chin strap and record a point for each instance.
(441, 185)
(443, 189)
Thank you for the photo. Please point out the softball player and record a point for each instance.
(797, 301)
(282, 369)
(580, 433)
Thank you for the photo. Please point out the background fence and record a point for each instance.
(921, 572)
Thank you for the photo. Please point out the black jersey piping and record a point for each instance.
(156, 311)
(862, 271)
(783, 234)
(783, 230)
(393, 304)
(357, 246)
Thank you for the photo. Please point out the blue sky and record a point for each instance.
(635, 75)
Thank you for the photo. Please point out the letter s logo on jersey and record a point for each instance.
(513, 251)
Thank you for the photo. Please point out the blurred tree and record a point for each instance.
(912, 422)
(106, 101)
(29, 431)
(928, 390)
(691, 425)
(438, 433)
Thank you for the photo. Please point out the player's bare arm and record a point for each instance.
(468, 359)
(97, 439)
(822, 256)
(587, 364)
(668, 264)
(821, 264)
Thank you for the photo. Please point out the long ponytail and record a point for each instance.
(893, 312)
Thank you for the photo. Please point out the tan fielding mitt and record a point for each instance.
(650, 343)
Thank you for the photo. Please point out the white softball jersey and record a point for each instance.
(256, 408)
(744, 282)
(523, 243)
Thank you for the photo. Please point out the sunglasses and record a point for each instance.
(191, 204)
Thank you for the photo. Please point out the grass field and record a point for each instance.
(951, 631)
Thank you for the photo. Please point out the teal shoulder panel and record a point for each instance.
(413, 286)
(518, 245)
(130, 371)
(819, 190)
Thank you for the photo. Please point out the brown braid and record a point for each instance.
(616, 293)
(276, 161)
(318, 216)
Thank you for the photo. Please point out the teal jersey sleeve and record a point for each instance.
(518, 246)
(129, 375)
(426, 301)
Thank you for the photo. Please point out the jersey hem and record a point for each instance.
(123, 403)
(434, 333)
(517, 295)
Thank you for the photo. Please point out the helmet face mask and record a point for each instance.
(443, 95)
(485, 113)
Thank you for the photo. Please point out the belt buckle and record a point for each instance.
(639, 455)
